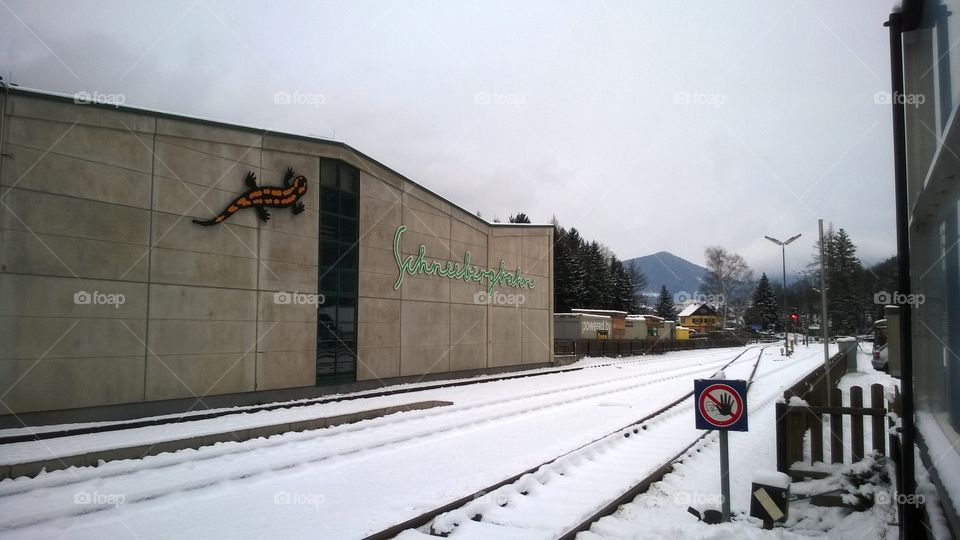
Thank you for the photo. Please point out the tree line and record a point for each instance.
(588, 275)
(852, 289)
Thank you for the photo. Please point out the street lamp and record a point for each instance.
(783, 253)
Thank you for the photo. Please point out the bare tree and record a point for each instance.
(728, 278)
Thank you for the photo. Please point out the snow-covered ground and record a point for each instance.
(661, 512)
(346, 481)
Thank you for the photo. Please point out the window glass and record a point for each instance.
(329, 201)
(337, 271)
(348, 204)
(349, 178)
(348, 230)
(328, 173)
(329, 253)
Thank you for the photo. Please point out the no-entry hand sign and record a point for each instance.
(720, 404)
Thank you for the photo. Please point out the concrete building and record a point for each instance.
(582, 326)
(112, 295)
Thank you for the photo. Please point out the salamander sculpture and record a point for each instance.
(262, 197)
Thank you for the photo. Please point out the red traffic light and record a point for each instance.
(794, 317)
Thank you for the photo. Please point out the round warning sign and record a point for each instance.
(720, 405)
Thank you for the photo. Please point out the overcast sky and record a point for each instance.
(649, 126)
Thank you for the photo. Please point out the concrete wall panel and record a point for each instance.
(375, 363)
(289, 369)
(59, 383)
(198, 375)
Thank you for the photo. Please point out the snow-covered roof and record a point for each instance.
(607, 311)
(643, 317)
(690, 310)
(580, 315)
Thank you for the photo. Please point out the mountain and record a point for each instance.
(667, 269)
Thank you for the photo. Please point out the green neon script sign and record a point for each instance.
(418, 264)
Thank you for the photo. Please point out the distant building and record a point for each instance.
(699, 317)
(581, 326)
(617, 320)
(645, 327)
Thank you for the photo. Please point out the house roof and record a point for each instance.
(601, 311)
(697, 309)
(581, 315)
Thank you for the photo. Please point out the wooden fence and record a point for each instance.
(794, 420)
(633, 347)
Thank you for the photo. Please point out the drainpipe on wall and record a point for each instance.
(3, 117)
(898, 23)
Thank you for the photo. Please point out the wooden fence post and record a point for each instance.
(836, 429)
(876, 421)
(815, 422)
(781, 426)
(856, 423)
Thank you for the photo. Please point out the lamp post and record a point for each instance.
(783, 253)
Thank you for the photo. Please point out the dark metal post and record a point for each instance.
(908, 511)
(724, 476)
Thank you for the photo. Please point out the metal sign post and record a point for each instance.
(721, 405)
(724, 476)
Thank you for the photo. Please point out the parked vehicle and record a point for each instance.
(880, 359)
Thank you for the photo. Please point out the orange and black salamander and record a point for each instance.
(262, 197)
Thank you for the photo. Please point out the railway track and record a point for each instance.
(39, 433)
(492, 511)
(141, 480)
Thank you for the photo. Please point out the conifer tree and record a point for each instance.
(664, 307)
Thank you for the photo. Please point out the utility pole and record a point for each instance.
(824, 325)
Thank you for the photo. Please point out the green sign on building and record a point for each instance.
(418, 264)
